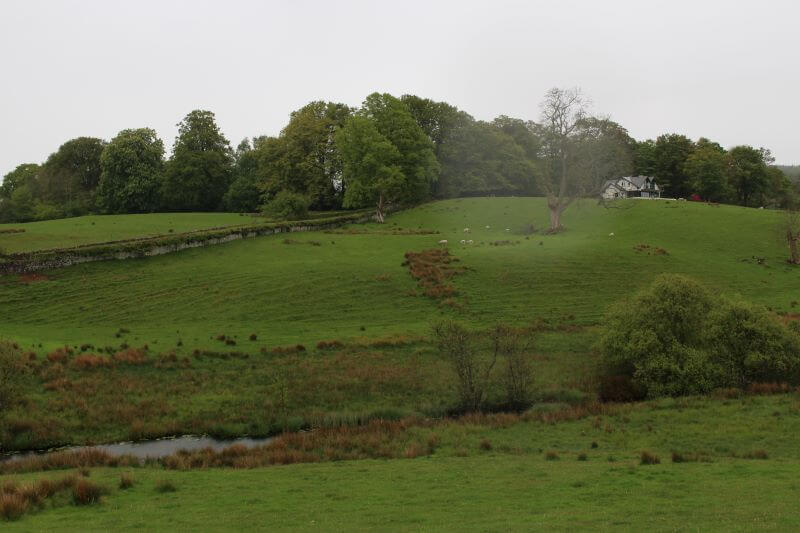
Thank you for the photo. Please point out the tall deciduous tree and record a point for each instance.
(309, 162)
(199, 172)
(747, 174)
(70, 175)
(562, 112)
(417, 160)
(670, 154)
(706, 169)
(372, 169)
(23, 175)
(132, 172)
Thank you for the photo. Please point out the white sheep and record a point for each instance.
(611, 234)
(470, 241)
(508, 229)
(466, 230)
(487, 227)
(463, 241)
(443, 242)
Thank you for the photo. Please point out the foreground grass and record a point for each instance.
(496, 474)
(351, 283)
(68, 232)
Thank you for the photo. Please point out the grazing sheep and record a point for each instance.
(487, 227)
(463, 241)
(508, 229)
(470, 241)
(466, 230)
(611, 234)
(443, 242)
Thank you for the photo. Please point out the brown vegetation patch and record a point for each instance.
(12, 230)
(131, 356)
(649, 250)
(26, 279)
(432, 269)
(393, 231)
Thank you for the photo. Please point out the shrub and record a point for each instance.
(126, 480)
(12, 505)
(485, 445)
(648, 458)
(473, 371)
(287, 205)
(513, 347)
(84, 492)
(11, 371)
(551, 456)
(676, 338)
(165, 485)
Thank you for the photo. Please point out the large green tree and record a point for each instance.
(308, 161)
(244, 194)
(70, 175)
(372, 166)
(748, 175)
(479, 158)
(669, 157)
(24, 174)
(417, 162)
(199, 172)
(132, 172)
(706, 169)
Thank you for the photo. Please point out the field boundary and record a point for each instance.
(24, 262)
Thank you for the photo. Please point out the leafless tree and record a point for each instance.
(562, 112)
(792, 231)
(514, 346)
(473, 369)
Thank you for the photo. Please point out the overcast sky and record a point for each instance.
(722, 69)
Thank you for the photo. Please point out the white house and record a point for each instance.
(631, 187)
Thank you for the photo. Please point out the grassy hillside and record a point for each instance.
(343, 285)
(67, 232)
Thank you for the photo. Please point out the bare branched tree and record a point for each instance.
(792, 231)
(473, 369)
(562, 112)
(513, 346)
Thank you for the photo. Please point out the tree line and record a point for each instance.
(388, 152)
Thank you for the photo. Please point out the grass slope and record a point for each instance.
(68, 232)
(512, 486)
(354, 285)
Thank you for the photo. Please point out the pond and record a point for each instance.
(152, 449)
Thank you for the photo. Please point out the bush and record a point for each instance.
(675, 338)
(11, 370)
(165, 485)
(84, 492)
(473, 370)
(126, 480)
(287, 205)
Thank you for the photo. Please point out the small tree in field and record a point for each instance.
(473, 371)
(792, 229)
(513, 347)
(11, 370)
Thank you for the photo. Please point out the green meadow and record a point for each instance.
(211, 336)
(92, 229)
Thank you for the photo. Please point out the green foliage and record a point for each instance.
(19, 177)
(706, 169)
(372, 172)
(675, 338)
(199, 172)
(748, 175)
(305, 159)
(20, 206)
(70, 176)
(132, 171)
(416, 161)
(287, 205)
(669, 156)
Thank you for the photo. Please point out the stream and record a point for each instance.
(150, 449)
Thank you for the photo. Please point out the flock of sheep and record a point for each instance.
(443, 242)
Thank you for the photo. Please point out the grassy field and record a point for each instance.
(581, 474)
(208, 339)
(341, 286)
(69, 232)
